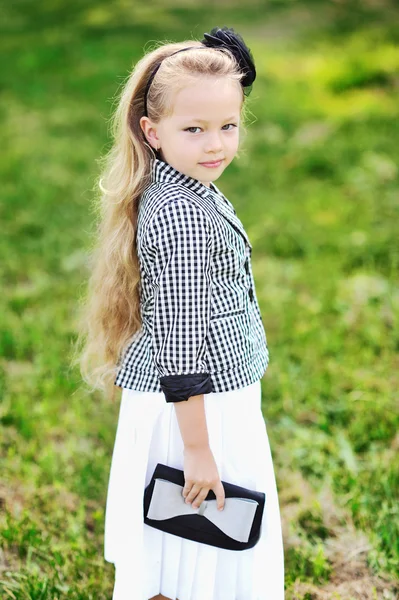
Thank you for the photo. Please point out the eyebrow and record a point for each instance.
(203, 121)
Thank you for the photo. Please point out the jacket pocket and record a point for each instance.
(229, 299)
(231, 341)
(227, 314)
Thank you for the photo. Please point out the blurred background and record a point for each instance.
(316, 187)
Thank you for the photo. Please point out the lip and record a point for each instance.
(214, 163)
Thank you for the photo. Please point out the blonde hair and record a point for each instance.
(110, 308)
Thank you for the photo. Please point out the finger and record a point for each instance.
(187, 487)
(200, 498)
(193, 493)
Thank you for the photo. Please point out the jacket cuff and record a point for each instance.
(181, 387)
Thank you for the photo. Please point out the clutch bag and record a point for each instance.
(237, 527)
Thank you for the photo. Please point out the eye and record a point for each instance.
(233, 124)
(188, 128)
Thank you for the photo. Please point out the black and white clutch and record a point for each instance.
(237, 527)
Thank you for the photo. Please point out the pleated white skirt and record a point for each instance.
(150, 562)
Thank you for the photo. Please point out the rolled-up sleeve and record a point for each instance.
(182, 281)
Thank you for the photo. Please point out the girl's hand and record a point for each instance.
(201, 475)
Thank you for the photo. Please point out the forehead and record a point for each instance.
(208, 100)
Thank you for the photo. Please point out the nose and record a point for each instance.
(213, 143)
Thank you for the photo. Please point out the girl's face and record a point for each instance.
(204, 127)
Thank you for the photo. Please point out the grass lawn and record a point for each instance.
(316, 186)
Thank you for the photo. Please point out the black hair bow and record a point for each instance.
(226, 37)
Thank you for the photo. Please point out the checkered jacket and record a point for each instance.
(202, 330)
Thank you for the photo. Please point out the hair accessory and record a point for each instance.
(226, 37)
(220, 38)
(237, 527)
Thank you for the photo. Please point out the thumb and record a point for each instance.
(220, 496)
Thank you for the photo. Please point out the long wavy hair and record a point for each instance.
(109, 309)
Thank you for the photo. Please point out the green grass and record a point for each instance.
(316, 187)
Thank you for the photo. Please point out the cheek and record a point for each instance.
(234, 141)
(189, 144)
(186, 140)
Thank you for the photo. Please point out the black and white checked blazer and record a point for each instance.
(202, 329)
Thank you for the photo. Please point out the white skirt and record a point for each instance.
(150, 562)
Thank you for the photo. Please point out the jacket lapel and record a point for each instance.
(226, 209)
(234, 221)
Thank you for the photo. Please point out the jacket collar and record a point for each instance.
(162, 172)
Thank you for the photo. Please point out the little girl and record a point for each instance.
(172, 318)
